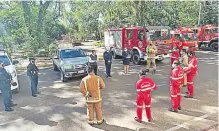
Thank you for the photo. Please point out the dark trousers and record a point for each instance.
(5, 89)
(95, 68)
(108, 69)
(33, 84)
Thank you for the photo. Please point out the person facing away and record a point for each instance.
(176, 81)
(144, 87)
(5, 87)
(107, 55)
(90, 87)
(184, 63)
(126, 60)
(32, 73)
(93, 61)
(151, 52)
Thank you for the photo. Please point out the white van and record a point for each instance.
(9, 65)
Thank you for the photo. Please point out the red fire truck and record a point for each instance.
(184, 38)
(208, 36)
(136, 39)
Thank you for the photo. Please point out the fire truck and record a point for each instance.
(136, 39)
(184, 38)
(208, 36)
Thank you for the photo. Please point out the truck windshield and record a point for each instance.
(215, 30)
(71, 53)
(5, 60)
(189, 36)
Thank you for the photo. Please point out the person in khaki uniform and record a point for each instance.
(90, 87)
(184, 63)
(151, 52)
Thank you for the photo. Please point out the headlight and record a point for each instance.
(68, 66)
(13, 74)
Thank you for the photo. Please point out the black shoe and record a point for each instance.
(149, 120)
(188, 96)
(147, 70)
(34, 95)
(12, 105)
(153, 72)
(9, 109)
(99, 123)
(187, 92)
(110, 76)
(179, 108)
(91, 124)
(38, 92)
(136, 119)
(173, 110)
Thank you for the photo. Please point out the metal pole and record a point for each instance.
(199, 16)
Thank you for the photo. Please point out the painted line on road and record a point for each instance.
(189, 122)
(12, 121)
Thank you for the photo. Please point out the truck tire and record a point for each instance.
(17, 90)
(136, 59)
(55, 67)
(63, 78)
(214, 46)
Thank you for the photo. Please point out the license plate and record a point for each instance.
(81, 71)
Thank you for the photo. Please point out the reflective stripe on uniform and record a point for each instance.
(100, 121)
(153, 86)
(178, 94)
(173, 57)
(176, 78)
(147, 105)
(140, 106)
(90, 122)
(173, 95)
(189, 82)
(145, 89)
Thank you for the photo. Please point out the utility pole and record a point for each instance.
(199, 16)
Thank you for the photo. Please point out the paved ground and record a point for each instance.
(60, 107)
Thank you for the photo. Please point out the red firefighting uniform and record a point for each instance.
(174, 56)
(144, 87)
(176, 81)
(192, 71)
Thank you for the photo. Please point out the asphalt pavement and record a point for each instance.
(61, 107)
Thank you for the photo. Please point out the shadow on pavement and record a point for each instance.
(108, 127)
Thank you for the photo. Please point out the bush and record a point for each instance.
(43, 53)
(99, 44)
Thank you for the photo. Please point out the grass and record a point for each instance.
(99, 44)
(38, 65)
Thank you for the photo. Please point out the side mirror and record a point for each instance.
(15, 62)
(55, 57)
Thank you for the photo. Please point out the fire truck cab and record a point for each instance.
(184, 38)
(208, 36)
(135, 39)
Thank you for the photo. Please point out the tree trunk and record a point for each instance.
(27, 15)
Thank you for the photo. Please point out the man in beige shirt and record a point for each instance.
(184, 62)
(90, 87)
(151, 51)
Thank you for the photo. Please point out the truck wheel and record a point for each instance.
(55, 67)
(115, 56)
(63, 78)
(214, 46)
(17, 90)
(136, 59)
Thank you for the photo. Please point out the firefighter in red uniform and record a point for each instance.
(191, 73)
(144, 87)
(176, 82)
(175, 55)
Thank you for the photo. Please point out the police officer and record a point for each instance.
(32, 73)
(5, 87)
(93, 61)
(108, 62)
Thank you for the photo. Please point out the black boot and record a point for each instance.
(12, 105)
(188, 96)
(147, 70)
(8, 109)
(171, 109)
(136, 119)
(179, 108)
